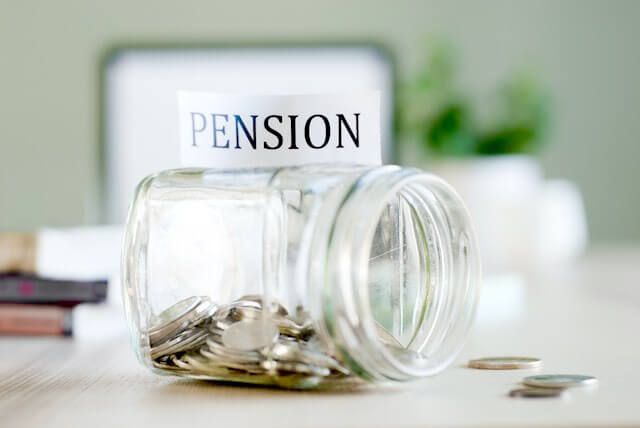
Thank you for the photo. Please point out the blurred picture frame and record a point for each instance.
(139, 85)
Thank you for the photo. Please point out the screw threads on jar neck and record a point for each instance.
(398, 274)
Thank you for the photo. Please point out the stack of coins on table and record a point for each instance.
(537, 386)
(241, 341)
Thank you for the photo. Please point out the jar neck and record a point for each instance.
(407, 315)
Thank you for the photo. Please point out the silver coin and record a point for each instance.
(257, 301)
(166, 359)
(223, 352)
(294, 352)
(166, 347)
(199, 315)
(194, 341)
(218, 326)
(164, 362)
(222, 312)
(184, 341)
(180, 362)
(177, 361)
(290, 328)
(282, 368)
(251, 310)
(249, 301)
(232, 313)
(172, 319)
(559, 380)
(250, 335)
(176, 311)
(506, 363)
(243, 365)
(324, 360)
(202, 365)
(229, 361)
(202, 312)
(537, 392)
(167, 366)
(241, 341)
(188, 313)
(296, 381)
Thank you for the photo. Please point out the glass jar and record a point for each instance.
(299, 276)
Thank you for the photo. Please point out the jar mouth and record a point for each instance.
(401, 274)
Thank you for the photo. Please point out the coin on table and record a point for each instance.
(249, 335)
(505, 363)
(537, 392)
(559, 380)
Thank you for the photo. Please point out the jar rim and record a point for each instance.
(349, 316)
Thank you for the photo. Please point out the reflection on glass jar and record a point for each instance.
(299, 276)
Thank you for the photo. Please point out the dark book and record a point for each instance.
(35, 320)
(20, 288)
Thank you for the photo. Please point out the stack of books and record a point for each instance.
(33, 302)
(32, 305)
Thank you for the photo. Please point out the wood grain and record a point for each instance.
(581, 321)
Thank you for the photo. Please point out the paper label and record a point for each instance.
(241, 131)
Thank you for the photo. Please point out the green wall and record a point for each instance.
(49, 80)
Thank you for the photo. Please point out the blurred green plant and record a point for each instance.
(442, 117)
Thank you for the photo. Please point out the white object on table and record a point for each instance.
(81, 253)
(522, 220)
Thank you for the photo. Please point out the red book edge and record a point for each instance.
(35, 320)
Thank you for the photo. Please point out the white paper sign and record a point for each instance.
(242, 131)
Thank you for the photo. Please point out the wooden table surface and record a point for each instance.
(583, 320)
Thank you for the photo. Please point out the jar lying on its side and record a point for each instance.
(299, 276)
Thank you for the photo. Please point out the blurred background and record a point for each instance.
(528, 107)
(554, 80)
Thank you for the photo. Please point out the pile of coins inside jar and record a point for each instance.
(241, 341)
(245, 342)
